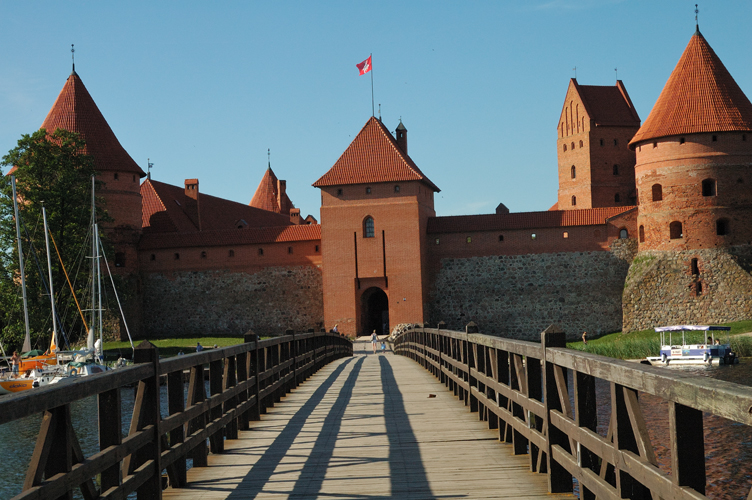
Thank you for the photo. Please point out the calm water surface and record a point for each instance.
(728, 445)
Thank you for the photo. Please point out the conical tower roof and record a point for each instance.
(75, 110)
(266, 196)
(700, 96)
(373, 156)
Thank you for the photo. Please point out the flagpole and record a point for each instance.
(373, 112)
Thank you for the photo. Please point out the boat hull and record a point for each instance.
(11, 386)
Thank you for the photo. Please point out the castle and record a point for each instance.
(651, 226)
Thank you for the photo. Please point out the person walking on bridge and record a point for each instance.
(374, 341)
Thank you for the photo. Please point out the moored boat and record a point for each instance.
(705, 348)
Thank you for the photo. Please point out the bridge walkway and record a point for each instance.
(366, 427)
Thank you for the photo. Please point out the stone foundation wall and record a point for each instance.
(518, 296)
(661, 288)
(231, 303)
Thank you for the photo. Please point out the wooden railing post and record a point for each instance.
(176, 404)
(471, 400)
(146, 413)
(110, 433)
(228, 382)
(687, 447)
(253, 359)
(559, 479)
(216, 440)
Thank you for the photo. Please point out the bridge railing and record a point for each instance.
(244, 380)
(522, 389)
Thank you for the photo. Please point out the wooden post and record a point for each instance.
(559, 480)
(586, 416)
(216, 440)
(534, 373)
(146, 413)
(53, 451)
(253, 370)
(110, 422)
(231, 430)
(471, 400)
(243, 361)
(176, 404)
(197, 394)
(518, 382)
(687, 447)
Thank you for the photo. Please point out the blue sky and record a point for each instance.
(204, 88)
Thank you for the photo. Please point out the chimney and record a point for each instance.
(192, 203)
(402, 137)
(295, 216)
(281, 195)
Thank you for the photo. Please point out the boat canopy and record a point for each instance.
(678, 328)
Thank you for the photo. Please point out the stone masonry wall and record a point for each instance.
(518, 296)
(662, 290)
(231, 303)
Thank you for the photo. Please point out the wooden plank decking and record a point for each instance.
(366, 427)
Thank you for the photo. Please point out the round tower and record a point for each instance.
(693, 176)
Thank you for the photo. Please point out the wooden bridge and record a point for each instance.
(498, 419)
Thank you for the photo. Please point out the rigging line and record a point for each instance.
(43, 279)
(107, 264)
(68, 280)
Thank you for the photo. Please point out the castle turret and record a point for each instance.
(693, 174)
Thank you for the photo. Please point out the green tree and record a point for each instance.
(51, 170)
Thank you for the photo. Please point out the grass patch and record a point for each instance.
(644, 343)
(168, 347)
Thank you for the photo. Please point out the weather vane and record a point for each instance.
(616, 70)
(697, 23)
(269, 157)
(73, 56)
(575, 72)
(149, 164)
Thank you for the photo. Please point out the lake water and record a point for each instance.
(728, 445)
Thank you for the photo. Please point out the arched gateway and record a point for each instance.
(374, 311)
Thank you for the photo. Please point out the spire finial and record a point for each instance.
(616, 70)
(73, 57)
(379, 111)
(269, 157)
(149, 164)
(575, 72)
(697, 23)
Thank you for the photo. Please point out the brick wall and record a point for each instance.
(215, 302)
(662, 290)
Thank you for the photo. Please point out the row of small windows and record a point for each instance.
(709, 188)
(682, 140)
(623, 234)
(117, 177)
(617, 199)
(676, 229)
(368, 190)
(573, 171)
(230, 253)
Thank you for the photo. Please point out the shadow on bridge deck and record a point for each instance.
(366, 427)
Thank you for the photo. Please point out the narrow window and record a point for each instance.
(153, 257)
(116, 176)
(261, 252)
(695, 269)
(289, 249)
(744, 137)
(655, 145)
(623, 234)
(317, 249)
(574, 201)
(580, 143)
(565, 235)
(501, 237)
(708, 187)
(721, 227)
(617, 198)
(120, 259)
(601, 142)
(714, 138)
(642, 234)
(437, 241)
(134, 177)
(574, 172)
(177, 256)
(368, 227)
(203, 255)
(396, 189)
(657, 192)
(231, 253)
(675, 230)
(565, 147)
(616, 169)
(469, 239)
(339, 192)
(681, 140)
(533, 236)
(368, 190)
(698, 288)
(572, 145)
(616, 142)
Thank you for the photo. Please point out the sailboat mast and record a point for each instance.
(99, 287)
(27, 339)
(92, 322)
(49, 269)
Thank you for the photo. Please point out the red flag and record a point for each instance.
(365, 66)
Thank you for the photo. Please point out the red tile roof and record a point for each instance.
(75, 110)
(373, 156)
(524, 220)
(699, 96)
(166, 209)
(248, 236)
(608, 105)
(266, 196)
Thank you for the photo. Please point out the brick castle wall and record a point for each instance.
(214, 302)
(518, 296)
(662, 288)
